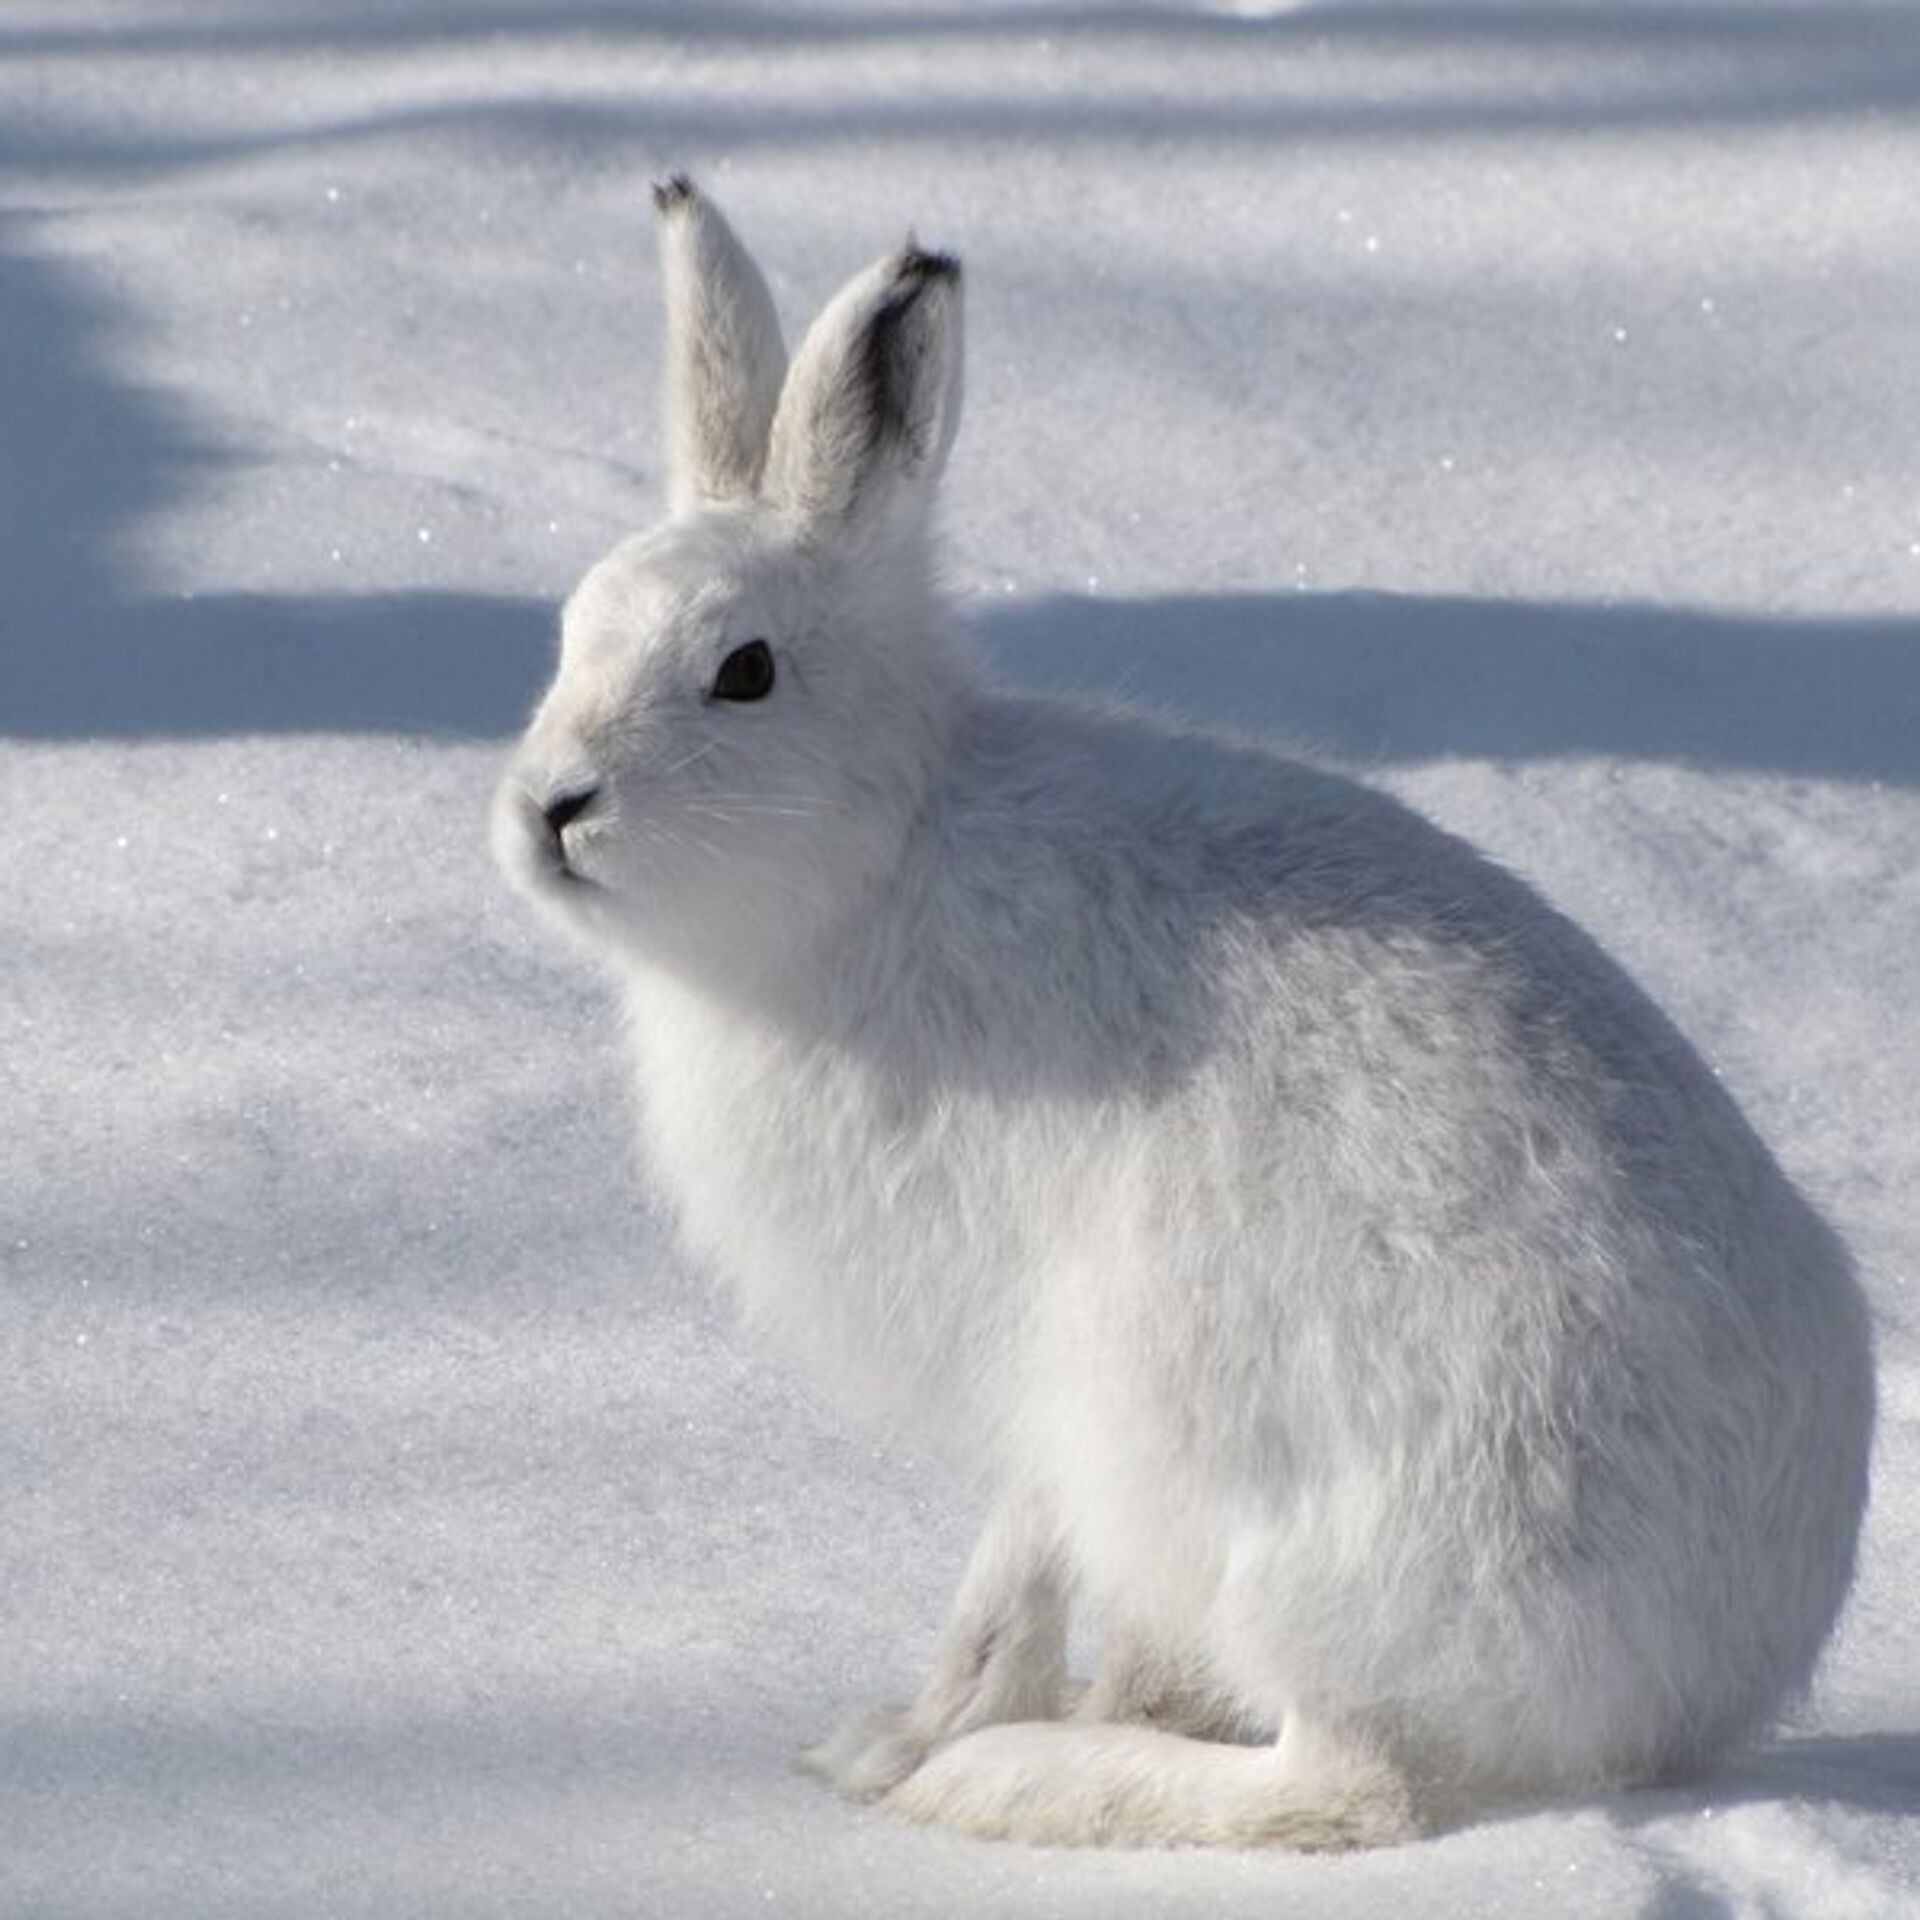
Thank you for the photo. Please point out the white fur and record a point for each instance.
(1366, 1302)
(724, 348)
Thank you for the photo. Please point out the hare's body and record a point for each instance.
(1394, 1318)
(1363, 1299)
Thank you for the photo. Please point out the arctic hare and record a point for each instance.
(1362, 1299)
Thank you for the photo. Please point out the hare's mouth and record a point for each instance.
(533, 835)
(561, 864)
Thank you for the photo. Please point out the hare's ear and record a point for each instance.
(725, 357)
(872, 403)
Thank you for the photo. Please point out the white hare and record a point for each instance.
(1361, 1298)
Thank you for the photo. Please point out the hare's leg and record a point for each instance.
(1002, 1656)
(1141, 1683)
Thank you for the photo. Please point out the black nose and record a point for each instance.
(566, 807)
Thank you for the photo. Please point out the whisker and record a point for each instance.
(749, 811)
(766, 799)
(687, 759)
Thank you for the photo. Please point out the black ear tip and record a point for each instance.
(673, 193)
(918, 266)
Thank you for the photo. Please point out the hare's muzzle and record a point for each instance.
(529, 833)
(565, 808)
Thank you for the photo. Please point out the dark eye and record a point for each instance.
(745, 674)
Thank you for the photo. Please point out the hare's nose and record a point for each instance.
(564, 808)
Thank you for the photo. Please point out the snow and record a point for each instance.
(1515, 401)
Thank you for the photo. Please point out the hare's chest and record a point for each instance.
(853, 1224)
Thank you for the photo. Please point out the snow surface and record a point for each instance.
(1519, 402)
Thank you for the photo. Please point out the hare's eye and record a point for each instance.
(745, 674)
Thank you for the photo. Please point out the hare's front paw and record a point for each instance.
(1142, 1684)
(874, 1751)
(1002, 1657)
(984, 1678)
(870, 1754)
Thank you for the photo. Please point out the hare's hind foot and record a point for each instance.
(1081, 1785)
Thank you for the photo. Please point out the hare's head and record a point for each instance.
(754, 699)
